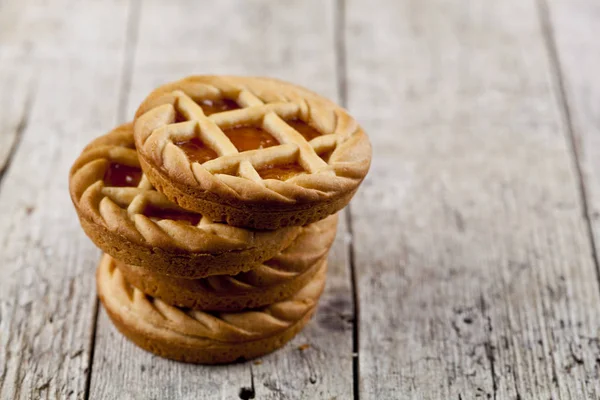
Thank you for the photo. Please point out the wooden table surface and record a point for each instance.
(465, 268)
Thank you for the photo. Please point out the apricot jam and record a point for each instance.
(304, 129)
(216, 106)
(281, 172)
(196, 150)
(246, 138)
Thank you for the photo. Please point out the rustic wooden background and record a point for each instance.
(466, 267)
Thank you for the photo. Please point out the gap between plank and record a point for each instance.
(19, 129)
(572, 142)
(342, 86)
(488, 347)
(131, 39)
(340, 51)
(132, 34)
(88, 379)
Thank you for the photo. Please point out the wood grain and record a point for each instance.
(474, 264)
(16, 80)
(47, 299)
(572, 29)
(474, 261)
(251, 38)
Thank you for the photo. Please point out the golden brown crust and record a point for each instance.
(172, 262)
(272, 281)
(269, 218)
(114, 218)
(228, 188)
(201, 337)
(216, 354)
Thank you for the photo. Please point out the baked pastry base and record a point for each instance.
(182, 263)
(217, 353)
(198, 293)
(269, 282)
(243, 214)
(199, 337)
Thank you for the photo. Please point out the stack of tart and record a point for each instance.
(216, 209)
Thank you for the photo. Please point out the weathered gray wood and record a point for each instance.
(232, 37)
(476, 273)
(475, 268)
(15, 80)
(572, 29)
(47, 299)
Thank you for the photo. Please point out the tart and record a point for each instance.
(201, 337)
(127, 218)
(251, 152)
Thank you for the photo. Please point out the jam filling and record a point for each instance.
(176, 215)
(246, 138)
(304, 129)
(216, 106)
(196, 150)
(326, 155)
(119, 175)
(281, 172)
(179, 117)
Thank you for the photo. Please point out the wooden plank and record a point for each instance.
(15, 100)
(15, 80)
(47, 300)
(230, 37)
(474, 263)
(572, 29)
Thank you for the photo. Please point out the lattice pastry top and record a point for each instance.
(127, 218)
(254, 152)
